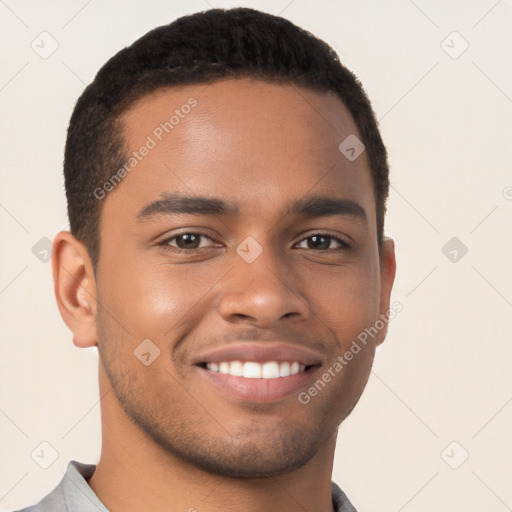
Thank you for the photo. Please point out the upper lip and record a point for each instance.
(261, 352)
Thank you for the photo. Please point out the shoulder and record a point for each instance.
(53, 502)
(340, 501)
(67, 492)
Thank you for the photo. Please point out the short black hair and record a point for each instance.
(202, 48)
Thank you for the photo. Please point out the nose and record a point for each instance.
(262, 292)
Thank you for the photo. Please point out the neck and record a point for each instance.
(134, 473)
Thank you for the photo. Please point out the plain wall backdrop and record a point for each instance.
(432, 430)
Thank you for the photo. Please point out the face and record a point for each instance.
(216, 249)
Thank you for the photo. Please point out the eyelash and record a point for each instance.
(166, 246)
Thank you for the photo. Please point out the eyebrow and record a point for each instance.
(315, 206)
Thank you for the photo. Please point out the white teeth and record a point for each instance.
(294, 368)
(236, 368)
(253, 370)
(284, 370)
(270, 370)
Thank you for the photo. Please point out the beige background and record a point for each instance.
(443, 374)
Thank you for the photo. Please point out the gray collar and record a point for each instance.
(73, 494)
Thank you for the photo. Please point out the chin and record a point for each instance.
(243, 456)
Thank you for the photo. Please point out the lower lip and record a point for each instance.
(258, 390)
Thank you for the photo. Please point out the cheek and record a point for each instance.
(347, 306)
(151, 299)
(347, 300)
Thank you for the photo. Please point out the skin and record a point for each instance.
(170, 440)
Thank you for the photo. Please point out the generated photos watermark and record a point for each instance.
(342, 360)
(157, 135)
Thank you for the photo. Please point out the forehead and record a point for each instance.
(255, 143)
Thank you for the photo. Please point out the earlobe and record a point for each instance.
(387, 278)
(75, 288)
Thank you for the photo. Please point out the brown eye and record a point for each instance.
(323, 241)
(186, 242)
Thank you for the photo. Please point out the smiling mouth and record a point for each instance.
(257, 370)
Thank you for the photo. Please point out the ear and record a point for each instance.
(387, 278)
(75, 288)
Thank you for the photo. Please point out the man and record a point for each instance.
(226, 186)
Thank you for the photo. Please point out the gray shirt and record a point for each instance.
(73, 494)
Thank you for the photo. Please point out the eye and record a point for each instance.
(185, 242)
(190, 242)
(322, 242)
